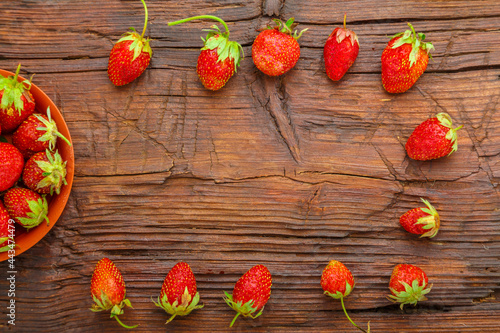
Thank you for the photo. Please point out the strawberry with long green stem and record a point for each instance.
(130, 56)
(337, 282)
(219, 57)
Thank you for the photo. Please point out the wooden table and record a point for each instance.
(290, 172)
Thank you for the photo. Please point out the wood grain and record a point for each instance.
(290, 172)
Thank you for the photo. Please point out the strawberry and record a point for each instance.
(37, 133)
(178, 294)
(408, 285)
(275, 51)
(130, 56)
(17, 103)
(108, 290)
(421, 221)
(337, 282)
(6, 230)
(404, 59)
(340, 51)
(250, 293)
(11, 165)
(45, 172)
(219, 57)
(434, 138)
(26, 207)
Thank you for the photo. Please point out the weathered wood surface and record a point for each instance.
(290, 172)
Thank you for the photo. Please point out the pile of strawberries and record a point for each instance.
(31, 167)
(275, 51)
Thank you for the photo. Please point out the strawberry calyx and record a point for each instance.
(412, 294)
(344, 33)
(51, 132)
(338, 294)
(445, 120)
(37, 214)
(13, 90)
(216, 39)
(188, 304)
(138, 45)
(103, 304)
(287, 27)
(431, 221)
(245, 309)
(416, 41)
(54, 172)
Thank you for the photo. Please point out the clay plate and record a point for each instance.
(26, 239)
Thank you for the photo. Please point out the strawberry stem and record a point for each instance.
(146, 19)
(210, 17)
(17, 73)
(234, 319)
(126, 326)
(413, 30)
(343, 307)
(345, 14)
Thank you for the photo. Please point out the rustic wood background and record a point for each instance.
(290, 172)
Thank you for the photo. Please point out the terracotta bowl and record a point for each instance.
(26, 239)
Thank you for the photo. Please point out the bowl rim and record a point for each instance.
(57, 202)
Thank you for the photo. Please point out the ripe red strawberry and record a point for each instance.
(340, 51)
(434, 138)
(421, 221)
(17, 103)
(11, 165)
(250, 293)
(178, 294)
(275, 51)
(219, 57)
(130, 56)
(404, 59)
(45, 172)
(408, 285)
(108, 290)
(26, 207)
(5, 230)
(37, 133)
(337, 282)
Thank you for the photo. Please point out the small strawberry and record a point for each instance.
(337, 282)
(26, 207)
(130, 56)
(178, 294)
(404, 59)
(5, 229)
(11, 165)
(408, 285)
(250, 293)
(16, 101)
(37, 133)
(340, 51)
(421, 221)
(108, 290)
(434, 138)
(219, 57)
(275, 51)
(45, 172)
